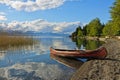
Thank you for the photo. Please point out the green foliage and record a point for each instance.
(107, 30)
(74, 35)
(116, 28)
(79, 42)
(115, 15)
(111, 29)
(85, 30)
(90, 44)
(79, 32)
(115, 10)
(94, 28)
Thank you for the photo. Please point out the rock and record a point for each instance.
(106, 69)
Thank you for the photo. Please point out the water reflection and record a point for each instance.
(35, 71)
(2, 54)
(34, 62)
(70, 62)
(87, 44)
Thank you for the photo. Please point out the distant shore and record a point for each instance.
(106, 69)
(98, 38)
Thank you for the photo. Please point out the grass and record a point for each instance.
(7, 41)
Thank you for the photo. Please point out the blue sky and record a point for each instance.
(58, 11)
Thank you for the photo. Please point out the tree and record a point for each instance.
(79, 32)
(115, 15)
(94, 28)
(74, 34)
(85, 30)
(107, 30)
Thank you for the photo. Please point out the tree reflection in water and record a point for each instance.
(34, 61)
(87, 44)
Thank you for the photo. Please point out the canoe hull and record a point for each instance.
(98, 53)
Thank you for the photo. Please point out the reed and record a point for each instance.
(7, 41)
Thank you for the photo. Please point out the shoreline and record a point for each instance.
(97, 38)
(106, 69)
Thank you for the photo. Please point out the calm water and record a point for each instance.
(36, 63)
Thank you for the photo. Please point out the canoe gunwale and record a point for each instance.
(97, 53)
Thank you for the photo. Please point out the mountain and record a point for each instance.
(40, 26)
(31, 33)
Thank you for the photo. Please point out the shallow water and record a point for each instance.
(35, 62)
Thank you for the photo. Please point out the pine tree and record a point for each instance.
(79, 32)
(107, 30)
(115, 15)
(94, 28)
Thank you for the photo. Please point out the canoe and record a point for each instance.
(70, 62)
(97, 53)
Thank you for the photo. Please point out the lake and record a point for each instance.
(35, 62)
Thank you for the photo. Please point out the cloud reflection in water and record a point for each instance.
(34, 63)
(35, 71)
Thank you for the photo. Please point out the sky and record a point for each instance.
(51, 15)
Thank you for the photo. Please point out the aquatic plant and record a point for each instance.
(14, 41)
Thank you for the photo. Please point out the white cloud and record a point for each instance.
(41, 26)
(2, 16)
(31, 5)
(35, 71)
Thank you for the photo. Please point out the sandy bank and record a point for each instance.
(107, 69)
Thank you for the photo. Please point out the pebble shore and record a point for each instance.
(105, 69)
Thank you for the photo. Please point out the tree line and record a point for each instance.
(96, 28)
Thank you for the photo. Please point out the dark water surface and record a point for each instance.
(36, 63)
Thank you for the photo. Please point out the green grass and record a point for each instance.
(7, 41)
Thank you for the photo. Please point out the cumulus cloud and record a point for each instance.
(35, 71)
(2, 16)
(32, 5)
(41, 26)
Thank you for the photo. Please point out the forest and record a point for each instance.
(97, 29)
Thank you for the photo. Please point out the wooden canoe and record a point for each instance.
(97, 53)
